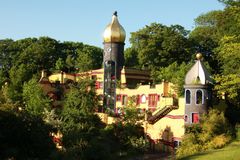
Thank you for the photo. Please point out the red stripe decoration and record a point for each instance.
(174, 116)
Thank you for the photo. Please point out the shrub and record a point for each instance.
(212, 132)
(219, 141)
(190, 145)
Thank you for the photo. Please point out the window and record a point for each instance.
(143, 98)
(100, 84)
(176, 144)
(188, 96)
(94, 77)
(124, 100)
(195, 117)
(118, 97)
(199, 97)
(138, 100)
(97, 85)
(186, 118)
(152, 100)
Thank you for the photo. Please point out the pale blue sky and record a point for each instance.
(85, 20)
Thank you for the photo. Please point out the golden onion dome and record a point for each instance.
(114, 32)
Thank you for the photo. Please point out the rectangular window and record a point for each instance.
(97, 85)
(100, 84)
(124, 100)
(152, 100)
(118, 97)
(94, 77)
(138, 99)
(195, 117)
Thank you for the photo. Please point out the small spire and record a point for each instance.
(115, 13)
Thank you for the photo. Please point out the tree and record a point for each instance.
(158, 45)
(131, 58)
(228, 53)
(34, 99)
(211, 28)
(80, 126)
(205, 36)
(6, 48)
(24, 136)
(174, 73)
(229, 87)
(60, 64)
(81, 97)
(89, 58)
(2, 77)
(43, 53)
(230, 2)
(228, 83)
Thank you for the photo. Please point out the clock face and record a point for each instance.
(109, 49)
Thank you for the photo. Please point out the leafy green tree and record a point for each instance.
(89, 58)
(6, 48)
(60, 64)
(3, 77)
(211, 28)
(42, 53)
(228, 86)
(173, 73)
(131, 58)
(70, 63)
(24, 136)
(205, 36)
(34, 99)
(230, 2)
(228, 83)
(158, 45)
(81, 97)
(228, 54)
(80, 126)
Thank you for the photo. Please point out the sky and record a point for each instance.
(85, 20)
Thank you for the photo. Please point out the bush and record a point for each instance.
(212, 132)
(24, 136)
(190, 145)
(219, 141)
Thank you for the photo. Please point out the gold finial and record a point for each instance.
(114, 32)
(199, 56)
(115, 13)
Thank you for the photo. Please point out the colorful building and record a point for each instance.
(118, 86)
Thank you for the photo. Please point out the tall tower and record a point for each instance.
(197, 91)
(113, 60)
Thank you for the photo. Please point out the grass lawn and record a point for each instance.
(230, 152)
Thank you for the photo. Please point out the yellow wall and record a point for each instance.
(146, 90)
(174, 120)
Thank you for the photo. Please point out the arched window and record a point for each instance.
(188, 96)
(143, 99)
(199, 97)
(186, 118)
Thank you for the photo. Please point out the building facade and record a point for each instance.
(118, 86)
